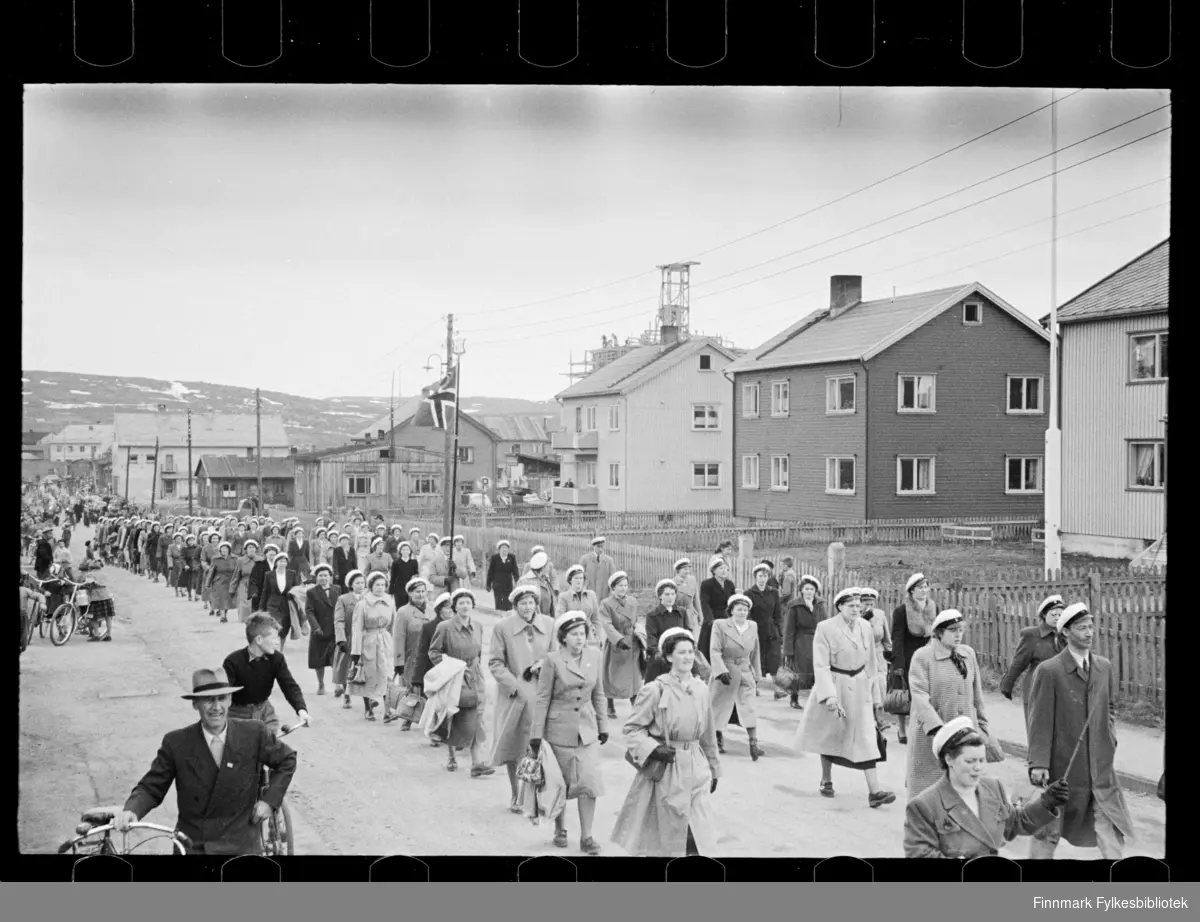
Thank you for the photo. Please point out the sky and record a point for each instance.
(312, 239)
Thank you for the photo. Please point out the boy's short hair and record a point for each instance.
(260, 624)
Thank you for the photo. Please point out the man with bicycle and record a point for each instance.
(256, 668)
(216, 767)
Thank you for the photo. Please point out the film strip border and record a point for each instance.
(578, 35)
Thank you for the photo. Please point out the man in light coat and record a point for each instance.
(1072, 700)
(597, 568)
(464, 563)
(443, 573)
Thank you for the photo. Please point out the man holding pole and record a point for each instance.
(1072, 735)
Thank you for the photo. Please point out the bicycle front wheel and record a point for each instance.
(277, 833)
(62, 625)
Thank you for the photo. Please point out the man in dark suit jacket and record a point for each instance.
(299, 553)
(216, 767)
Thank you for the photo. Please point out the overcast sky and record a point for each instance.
(309, 239)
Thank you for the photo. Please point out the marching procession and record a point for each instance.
(390, 617)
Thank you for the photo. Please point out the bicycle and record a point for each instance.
(277, 836)
(43, 618)
(93, 835)
(75, 614)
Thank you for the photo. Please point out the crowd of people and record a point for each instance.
(390, 615)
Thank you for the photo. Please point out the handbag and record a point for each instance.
(467, 696)
(653, 771)
(411, 708)
(786, 679)
(529, 770)
(358, 674)
(395, 691)
(898, 698)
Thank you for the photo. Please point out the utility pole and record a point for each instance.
(154, 479)
(128, 456)
(457, 397)
(189, 477)
(448, 473)
(391, 435)
(258, 447)
(1053, 477)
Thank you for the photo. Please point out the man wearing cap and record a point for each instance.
(464, 563)
(429, 553)
(597, 568)
(442, 573)
(1038, 644)
(1072, 702)
(502, 575)
(538, 575)
(216, 767)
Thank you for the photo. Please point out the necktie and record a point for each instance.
(1084, 667)
(217, 748)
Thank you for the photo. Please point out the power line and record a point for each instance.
(778, 224)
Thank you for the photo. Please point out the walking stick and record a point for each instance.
(1079, 741)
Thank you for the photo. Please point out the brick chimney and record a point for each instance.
(844, 291)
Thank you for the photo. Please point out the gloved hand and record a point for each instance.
(1038, 776)
(898, 673)
(317, 632)
(355, 658)
(724, 679)
(514, 693)
(622, 644)
(535, 745)
(888, 656)
(531, 671)
(603, 738)
(663, 753)
(712, 787)
(1056, 794)
(341, 645)
(399, 671)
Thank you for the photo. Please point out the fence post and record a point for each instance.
(835, 560)
(745, 560)
(1094, 593)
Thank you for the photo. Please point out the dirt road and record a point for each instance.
(93, 714)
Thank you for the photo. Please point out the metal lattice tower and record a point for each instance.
(675, 297)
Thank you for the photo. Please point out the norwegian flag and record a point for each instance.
(435, 410)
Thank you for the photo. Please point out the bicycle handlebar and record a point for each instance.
(284, 729)
(112, 827)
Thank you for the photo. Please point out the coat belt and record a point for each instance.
(849, 672)
(685, 745)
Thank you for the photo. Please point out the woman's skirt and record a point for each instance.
(803, 656)
(219, 594)
(320, 650)
(502, 602)
(101, 608)
(580, 767)
(242, 601)
(176, 574)
(204, 590)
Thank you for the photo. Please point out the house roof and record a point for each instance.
(241, 468)
(82, 432)
(1141, 286)
(321, 453)
(865, 329)
(208, 429)
(405, 412)
(637, 366)
(33, 436)
(517, 428)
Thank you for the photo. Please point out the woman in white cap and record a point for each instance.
(568, 716)
(275, 597)
(944, 682)
(841, 721)
(912, 622)
(320, 602)
(462, 638)
(549, 571)
(735, 655)
(464, 563)
(577, 597)
(805, 612)
(442, 611)
(345, 558)
(502, 574)
(538, 575)
(672, 722)
(714, 595)
(391, 544)
(623, 650)
(882, 629)
(429, 553)
(220, 580)
(1038, 643)
(766, 611)
(343, 620)
(239, 586)
(190, 576)
(371, 643)
(175, 564)
(597, 568)
(965, 814)
(520, 642)
(687, 595)
(665, 616)
(378, 561)
(403, 571)
(330, 543)
(322, 550)
(406, 638)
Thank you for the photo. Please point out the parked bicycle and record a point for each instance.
(94, 836)
(74, 614)
(43, 617)
(277, 835)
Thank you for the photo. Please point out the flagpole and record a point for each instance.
(447, 469)
(454, 476)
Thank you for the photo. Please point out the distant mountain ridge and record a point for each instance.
(53, 399)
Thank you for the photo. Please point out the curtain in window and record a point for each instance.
(922, 475)
(1143, 357)
(1143, 465)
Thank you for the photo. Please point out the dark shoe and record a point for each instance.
(827, 789)
(337, 691)
(320, 689)
(482, 770)
(346, 706)
(795, 702)
(612, 712)
(106, 638)
(560, 838)
(224, 620)
(901, 738)
(513, 806)
(93, 640)
(589, 846)
(755, 752)
(879, 798)
(452, 764)
(406, 725)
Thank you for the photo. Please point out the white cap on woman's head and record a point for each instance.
(567, 618)
(538, 561)
(949, 616)
(947, 730)
(616, 578)
(526, 590)
(572, 570)
(913, 581)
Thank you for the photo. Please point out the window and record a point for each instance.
(385, 454)
(169, 463)
(614, 417)
(917, 394)
(614, 476)
(168, 487)
(360, 486)
(1024, 475)
(705, 416)
(228, 491)
(839, 475)
(839, 394)
(750, 472)
(914, 476)
(588, 473)
(133, 459)
(250, 454)
(706, 362)
(750, 401)
(972, 312)
(706, 475)
(1147, 465)
(516, 449)
(149, 459)
(1148, 357)
(779, 398)
(466, 454)
(1024, 394)
(779, 472)
(71, 449)
(579, 419)
(591, 419)
(423, 484)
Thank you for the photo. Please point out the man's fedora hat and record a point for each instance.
(210, 683)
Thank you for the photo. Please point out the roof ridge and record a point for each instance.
(1115, 272)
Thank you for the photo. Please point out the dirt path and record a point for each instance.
(93, 714)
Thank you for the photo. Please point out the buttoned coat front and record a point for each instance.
(622, 668)
(406, 639)
(371, 638)
(215, 802)
(516, 645)
(740, 656)
(1060, 701)
(319, 605)
(569, 708)
(847, 646)
(938, 824)
(939, 693)
(1038, 643)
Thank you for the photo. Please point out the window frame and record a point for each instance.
(1041, 489)
(587, 467)
(841, 491)
(614, 468)
(420, 479)
(707, 465)
(915, 410)
(1041, 380)
(1158, 335)
(369, 483)
(589, 418)
(972, 323)
(829, 382)
(716, 408)
(614, 417)
(900, 459)
(466, 454)
(745, 389)
(755, 485)
(785, 469)
(700, 362)
(1160, 463)
(786, 402)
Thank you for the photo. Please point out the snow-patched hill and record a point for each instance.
(52, 399)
